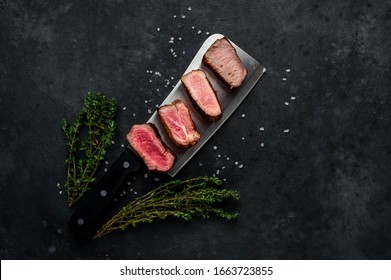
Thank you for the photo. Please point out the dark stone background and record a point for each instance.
(321, 191)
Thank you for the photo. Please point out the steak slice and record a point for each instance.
(202, 94)
(222, 58)
(146, 141)
(178, 123)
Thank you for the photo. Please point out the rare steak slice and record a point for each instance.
(146, 141)
(202, 94)
(222, 58)
(178, 123)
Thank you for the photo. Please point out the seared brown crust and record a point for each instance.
(211, 65)
(197, 108)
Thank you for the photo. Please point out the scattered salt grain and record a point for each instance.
(58, 185)
(236, 163)
(286, 130)
(200, 164)
(207, 33)
(180, 38)
(214, 147)
(135, 192)
(149, 111)
(199, 32)
(189, 8)
(262, 145)
(243, 115)
(240, 166)
(150, 80)
(105, 169)
(158, 29)
(284, 79)
(124, 108)
(60, 192)
(146, 101)
(122, 145)
(174, 16)
(128, 183)
(219, 156)
(106, 162)
(225, 179)
(192, 27)
(242, 138)
(227, 158)
(286, 103)
(183, 16)
(112, 142)
(217, 172)
(223, 167)
(134, 114)
(156, 179)
(146, 175)
(157, 89)
(293, 98)
(262, 129)
(288, 70)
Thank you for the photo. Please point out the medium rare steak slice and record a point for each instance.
(146, 141)
(178, 123)
(202, 94)
(222, 58)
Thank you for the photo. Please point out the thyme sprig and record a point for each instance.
(179, 199)
(85, 155)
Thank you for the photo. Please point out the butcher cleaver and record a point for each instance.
(88, 216)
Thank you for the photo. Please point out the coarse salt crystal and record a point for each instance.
(214, 147)
(286, 103)
(243, 115)
(293, 98)
(200, 164)
(189, 8)
(227, 158)
(288, 70)
(122, 145)
(106, 162)
(236, 163)
(223, 167)
(174, 16)
(242, 138)
(240, 166)
(262, 129)
(192, 27)
(217, 172)
(286, 130)
(149, 111)
(183, 16)
(146, 175)
(207, 33)
(124, 108)
(284, 79)
(157, 179)
(262, 145)
(199, 32)
(158, 29)
(58, 185)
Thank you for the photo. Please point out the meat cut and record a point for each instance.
(202, 94)
(222, 58)
(147, 143)
(178, 124)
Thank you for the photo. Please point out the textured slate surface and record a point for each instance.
(319, 191)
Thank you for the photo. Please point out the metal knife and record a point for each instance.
(88, 217)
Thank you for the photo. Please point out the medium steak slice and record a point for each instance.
(146, 141)
(178, 123)
(202, 94)
(222, 58)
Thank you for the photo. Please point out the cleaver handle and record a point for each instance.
(89, 216)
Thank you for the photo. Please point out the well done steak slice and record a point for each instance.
(202, 94)
(222, 58)
(146, 141)
(178, 123)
